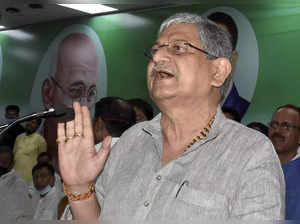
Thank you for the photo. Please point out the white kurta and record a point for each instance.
(46, 207)
(15, 202)
(113, 141)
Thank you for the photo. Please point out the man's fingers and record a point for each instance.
(106, 143)
(70, 131)
(87, 124)
(78, 119)
(104, 151)
(61, 136)
(61, 130)
(61, 133)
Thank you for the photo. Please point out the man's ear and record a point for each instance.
(47, 93)
(222, 69)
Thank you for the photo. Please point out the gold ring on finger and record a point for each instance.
(78, 135)
(69, 138)
(60, 140)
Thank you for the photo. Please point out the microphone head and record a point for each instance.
(63, 113)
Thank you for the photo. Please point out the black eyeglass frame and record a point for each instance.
(285, 125)
(149, 55)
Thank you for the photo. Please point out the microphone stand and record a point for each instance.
(25, 118)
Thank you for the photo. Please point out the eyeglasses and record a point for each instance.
(177, 47)
(77, 93)
(284, 125)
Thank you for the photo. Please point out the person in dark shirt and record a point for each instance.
(9, 137)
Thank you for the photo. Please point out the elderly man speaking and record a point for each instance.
(189, 162)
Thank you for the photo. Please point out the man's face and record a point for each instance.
(183, 77)
(285, 140)
(77, 71)
(31, 126)
(12, 114)
(42, 178)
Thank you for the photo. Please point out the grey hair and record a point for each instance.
(215, 40)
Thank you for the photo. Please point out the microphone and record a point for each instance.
(62, 113)
(59, 111)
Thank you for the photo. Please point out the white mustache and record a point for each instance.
(163, 67)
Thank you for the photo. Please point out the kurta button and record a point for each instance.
(146, 203)
(158, 177)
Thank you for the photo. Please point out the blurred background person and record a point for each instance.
(143, 110)
(12, 113)
(27, 148)
(45, 157)
(113, 116)
(45, 197)
(284, 133)
(259, 127)
(14, 200)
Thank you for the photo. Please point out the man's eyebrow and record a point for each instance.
(171, 40)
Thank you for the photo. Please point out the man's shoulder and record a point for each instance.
(242, 130)
(133, 132)
(13, 180)
(148, 127)
(38, 137)
(21, 135)
(246, 139)
(137, 133)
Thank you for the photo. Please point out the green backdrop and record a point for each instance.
(124, 37)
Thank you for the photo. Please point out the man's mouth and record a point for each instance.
(161, 74)
(277, 139)
(165, 75)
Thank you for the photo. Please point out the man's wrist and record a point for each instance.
(79, 192)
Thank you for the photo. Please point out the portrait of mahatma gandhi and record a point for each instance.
(76, 73)
(73, 69)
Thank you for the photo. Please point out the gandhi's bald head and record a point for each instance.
(74, 72)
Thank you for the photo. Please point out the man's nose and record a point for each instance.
(161, 54)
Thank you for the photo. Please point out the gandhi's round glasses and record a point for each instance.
(77, 92)
(177, 47)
